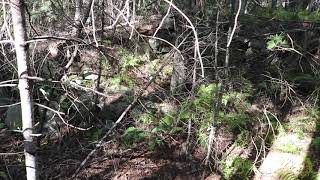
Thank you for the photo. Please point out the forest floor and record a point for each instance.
(60, 160)
(289, 156)
(290, 149)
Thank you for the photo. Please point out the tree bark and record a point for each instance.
(81, 16)
(77, 18)
(178, 77)
(18, 18)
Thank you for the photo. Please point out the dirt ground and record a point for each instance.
(60, 159)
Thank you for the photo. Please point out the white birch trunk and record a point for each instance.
(17, 11)
(77, 18)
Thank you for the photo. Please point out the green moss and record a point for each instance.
(200, 111)
(288, 147)
(306, 124)
(132, 136)
(115, 80)
(65, 103)
(299, 133)
(154, 143)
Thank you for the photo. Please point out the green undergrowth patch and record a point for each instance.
(288, 142)
(251, 20)
(315, 163)
(272, 129)
(232, 117)
(129, 60)
(286, 15)
(232, 114)
(132, 136)
(105, 64)
(236, 168)
(308, 171)
(80, 80)
(146, 118)
(285, 174)
(291, 133)
(277, 41)
(122, 78)
(243, 139)
(2, 124)
(305, 123)
(289, 147)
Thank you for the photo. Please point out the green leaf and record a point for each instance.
(156, 129)
(271, 45)
(131, 130)
(141, 136)
(277, 40)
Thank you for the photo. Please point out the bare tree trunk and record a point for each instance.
(216, 98)
(81, 17)
(77, 18)
(17, 11)
(109, 11)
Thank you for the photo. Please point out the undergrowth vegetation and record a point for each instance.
(165, 85)
(236, 168)
(199, 112)
(153, 126)
(285, 15)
